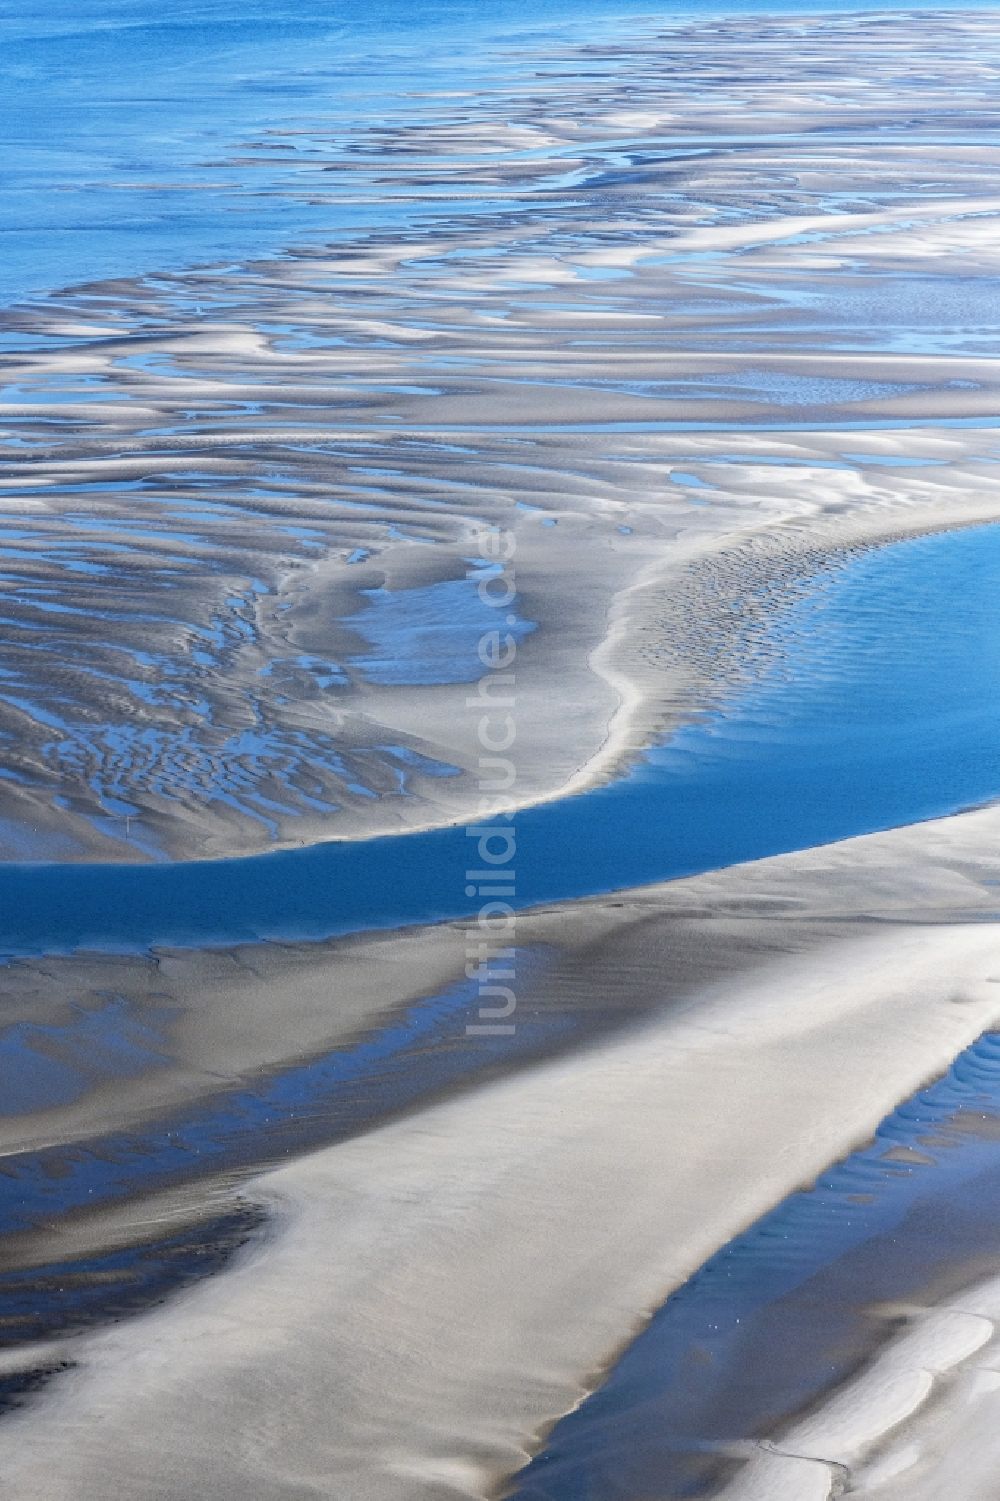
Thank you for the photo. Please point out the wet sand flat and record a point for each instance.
(405, 1285)
(240, 503)
(692, 313)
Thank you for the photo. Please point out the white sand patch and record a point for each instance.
(918, 1422)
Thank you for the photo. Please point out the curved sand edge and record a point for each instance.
(639, 638)
(918, 1422)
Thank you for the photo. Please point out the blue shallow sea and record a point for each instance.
(126, 128)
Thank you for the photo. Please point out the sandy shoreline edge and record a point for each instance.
(681, 631)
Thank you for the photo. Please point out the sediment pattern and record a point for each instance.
(693, 311)
(618, 318)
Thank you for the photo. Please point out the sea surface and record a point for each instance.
(126, 128)
(865, 715)
(238, 501)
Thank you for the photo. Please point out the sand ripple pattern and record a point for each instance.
(629, 301)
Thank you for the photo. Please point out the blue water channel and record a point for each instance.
(877, 706)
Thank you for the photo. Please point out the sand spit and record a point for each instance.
(405, 1330)
(238, 505)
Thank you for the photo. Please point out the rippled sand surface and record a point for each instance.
(696, 310)
(656, 293)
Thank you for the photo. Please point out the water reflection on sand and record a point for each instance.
(602, 280)
(690, 309)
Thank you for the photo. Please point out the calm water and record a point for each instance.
(387, 126)
(879, 707)
(126, 126)
(869, 713)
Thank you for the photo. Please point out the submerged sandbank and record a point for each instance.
(280, 473)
